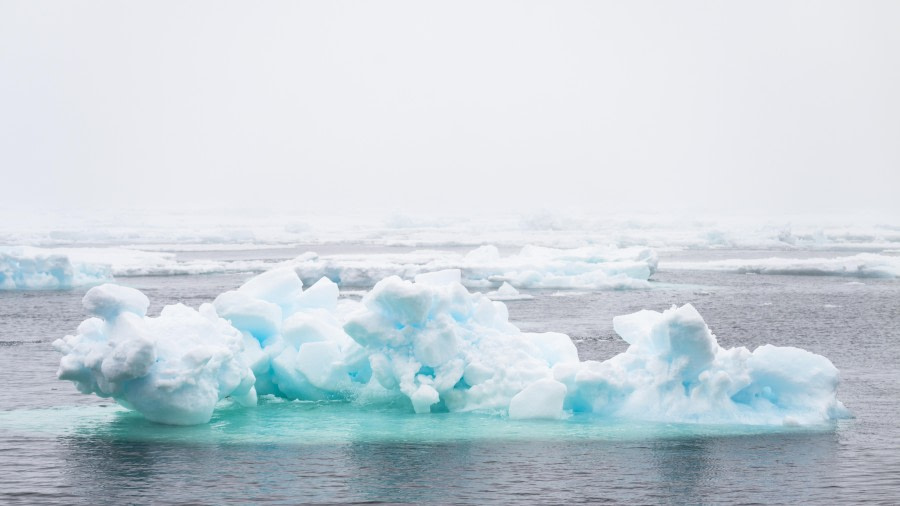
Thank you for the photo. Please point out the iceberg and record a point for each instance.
(433, 345)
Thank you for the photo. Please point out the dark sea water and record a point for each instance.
(61, 447)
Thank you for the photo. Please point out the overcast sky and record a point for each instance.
(754, 106)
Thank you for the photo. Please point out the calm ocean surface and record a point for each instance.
(61, 447)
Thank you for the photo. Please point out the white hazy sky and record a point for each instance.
(757, 106)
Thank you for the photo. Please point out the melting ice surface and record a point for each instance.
(430, 346)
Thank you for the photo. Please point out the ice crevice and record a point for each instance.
(434, 345)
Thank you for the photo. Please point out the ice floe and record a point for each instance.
(432, 343)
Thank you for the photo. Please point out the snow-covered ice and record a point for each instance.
(432, 342)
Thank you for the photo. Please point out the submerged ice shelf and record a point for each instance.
(335, 423)
(431, 345)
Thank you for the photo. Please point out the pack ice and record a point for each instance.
(433, 344)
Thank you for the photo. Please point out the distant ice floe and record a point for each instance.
(863, 265)
(532, 267)
(23, 268)
(433, 344)
(29, 268)
(484, 267)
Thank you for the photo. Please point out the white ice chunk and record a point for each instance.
(675, 371)
(279, 286)
(508, 292)
(107, 301)
(322, 294)
(172, 369)
(256, 316)
(541, 399)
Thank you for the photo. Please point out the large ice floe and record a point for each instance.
(433, 345)
(863, 265)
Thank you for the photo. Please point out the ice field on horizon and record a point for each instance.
(249, 229)
(862, 265)
(434, 345)
(52, 251)
(485, 267)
